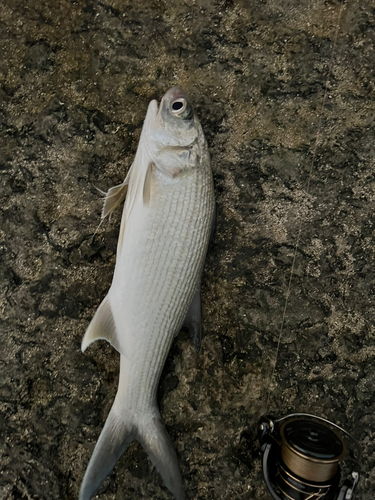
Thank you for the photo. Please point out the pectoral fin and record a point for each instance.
(147, 186)
(193, 321)
(102, 326)
(139, 179)
(114, 197)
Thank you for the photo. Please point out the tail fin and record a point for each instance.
(116, 436)
(154, 438)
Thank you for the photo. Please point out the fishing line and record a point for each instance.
(302, 454)
(307, 189)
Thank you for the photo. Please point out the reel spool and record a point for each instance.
(301, 457)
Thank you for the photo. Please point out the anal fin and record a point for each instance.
(193, 321)
(213, 226)
(102, 326)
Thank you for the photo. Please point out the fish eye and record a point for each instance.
(177, 106)
(181, 109)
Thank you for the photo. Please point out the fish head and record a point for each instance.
(175, 124)
(175, 135)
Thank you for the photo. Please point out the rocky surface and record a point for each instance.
(289, 117)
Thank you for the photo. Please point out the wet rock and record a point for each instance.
(288, 113)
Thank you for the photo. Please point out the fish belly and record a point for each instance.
(157, 273)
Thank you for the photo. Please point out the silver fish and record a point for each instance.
(164, 235)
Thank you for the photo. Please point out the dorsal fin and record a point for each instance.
(102, 326)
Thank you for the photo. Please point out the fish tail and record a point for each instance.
(123, 425)
(117, 434)
(153, 436)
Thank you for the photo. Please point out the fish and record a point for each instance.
(167, 221)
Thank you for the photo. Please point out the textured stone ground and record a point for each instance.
(76, 78)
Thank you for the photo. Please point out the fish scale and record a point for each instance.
(163, 241)
(165, 326)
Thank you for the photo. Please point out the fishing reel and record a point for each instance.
(301, 458)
